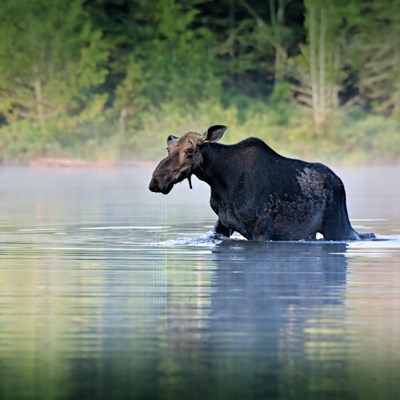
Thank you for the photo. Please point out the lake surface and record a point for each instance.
(108, 291)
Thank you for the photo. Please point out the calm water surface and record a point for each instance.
(108, 291)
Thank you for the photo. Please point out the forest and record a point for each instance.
(109, 80)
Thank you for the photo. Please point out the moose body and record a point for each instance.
(257, 192)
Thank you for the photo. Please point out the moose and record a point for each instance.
(257, 192)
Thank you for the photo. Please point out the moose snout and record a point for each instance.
(160, 184)
(154, 185)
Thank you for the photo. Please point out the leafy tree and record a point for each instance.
(129, 99)
(255, 42)
(319, 70)
(375, 55)
(273, 35)
(51, 64)
(80, 76)
(174, 52)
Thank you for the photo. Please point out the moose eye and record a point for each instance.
(189, 152)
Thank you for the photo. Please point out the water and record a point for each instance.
(108, 291)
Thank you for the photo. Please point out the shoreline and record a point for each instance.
(54, 162)
(65, 162)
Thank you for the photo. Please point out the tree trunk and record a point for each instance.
(322, 69)
(324, 61)
(122, 120)
(39, 100)
(278, 20)
(37, 85)
(313, 61)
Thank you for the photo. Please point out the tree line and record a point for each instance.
(110, 79)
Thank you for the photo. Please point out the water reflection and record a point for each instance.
(272, 304)
(106, 293)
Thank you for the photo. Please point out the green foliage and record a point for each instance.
(109, 80)
(52, 64)
(375, 53)
(176, 60)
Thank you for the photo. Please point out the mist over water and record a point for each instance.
(110, 291)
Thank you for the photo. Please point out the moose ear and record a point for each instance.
(214, 133)
(171, 139)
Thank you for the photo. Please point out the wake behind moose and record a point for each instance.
(257, 192)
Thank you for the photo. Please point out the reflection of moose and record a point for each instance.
(266, 296)
(271, 273)
(257, 192)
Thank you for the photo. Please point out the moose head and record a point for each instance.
(184, 158)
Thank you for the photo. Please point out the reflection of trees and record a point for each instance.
(184, 345)
(68, 302)
(373, 305)
(32, 328)
(55, 314)
(75, 313)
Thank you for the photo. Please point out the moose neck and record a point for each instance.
(214, 169)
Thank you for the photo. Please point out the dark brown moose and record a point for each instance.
(257, 192)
